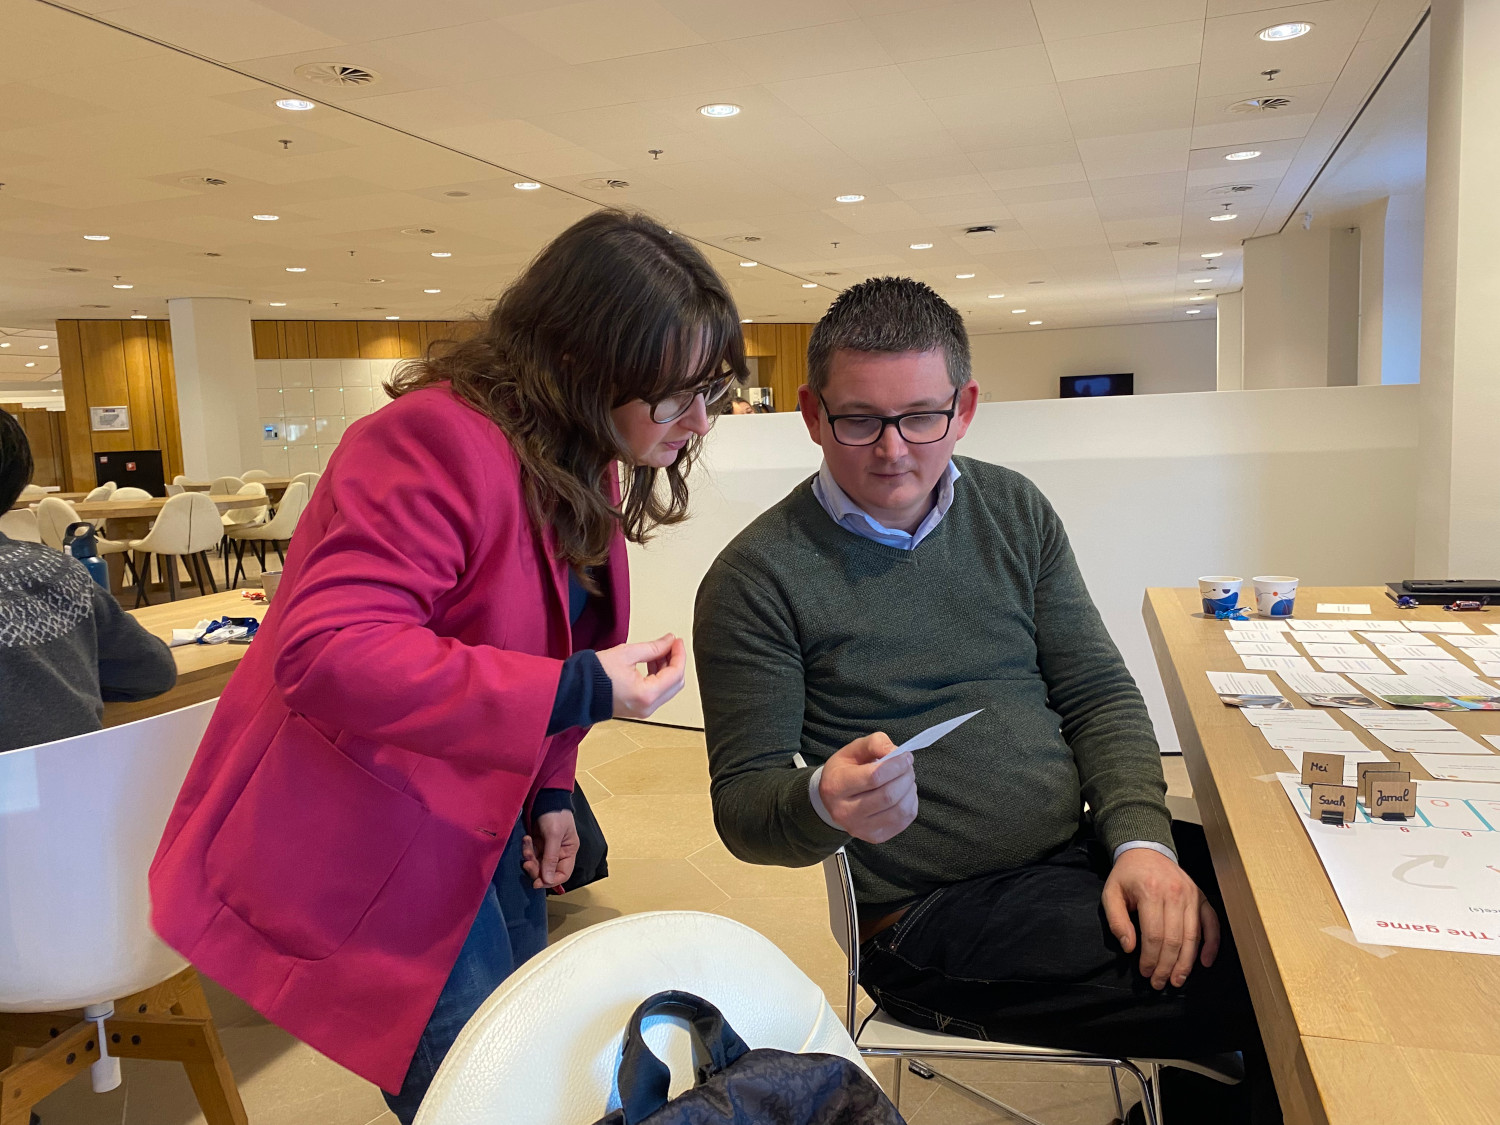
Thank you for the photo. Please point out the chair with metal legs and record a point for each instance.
(187, 527)
(881, 1036)
(274, 531)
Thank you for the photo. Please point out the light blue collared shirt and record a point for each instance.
(851, 517)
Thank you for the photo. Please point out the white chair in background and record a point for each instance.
(103, 492)
(187, 528)
(54, 516)
(129, 493)
(274, 531)
(309, 479)
(226, 485)
(79, 823)
(31, 493)
(175, 490)
(544, 1048)
(254, 474)
(242, 517)
(21, 525)
(180, 479)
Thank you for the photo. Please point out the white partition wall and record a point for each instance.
(1154, 490)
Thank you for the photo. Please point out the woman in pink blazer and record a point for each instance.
(362, 847)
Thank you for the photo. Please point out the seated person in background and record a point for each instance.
(66, 646)
(739, 405)
(899, 587)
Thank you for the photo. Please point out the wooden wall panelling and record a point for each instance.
(106, 380)
(353, 339)
(378, 339)
(335, 339)
(145, 419)
(80, 464)
(266, 338)
(296, 340)
(410, 333)
(165, 374)
(44, 433)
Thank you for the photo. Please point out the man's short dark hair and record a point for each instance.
(889, 314)
(15, 460)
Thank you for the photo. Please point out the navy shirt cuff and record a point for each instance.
(551, 800)
(585, 695)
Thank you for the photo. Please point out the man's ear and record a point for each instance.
(968, 404)
(812, 414)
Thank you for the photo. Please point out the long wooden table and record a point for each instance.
(274, 486)
(202, 670)
(1354, 1034)
(131, 519)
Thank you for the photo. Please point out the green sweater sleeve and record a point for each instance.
(749, 662)
(1104, 718)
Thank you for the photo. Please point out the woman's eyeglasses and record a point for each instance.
(921, 427)
(673, 407)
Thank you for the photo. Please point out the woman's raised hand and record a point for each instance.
(637, 694)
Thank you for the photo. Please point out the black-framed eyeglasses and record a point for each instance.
(673, 407)
(921, 427)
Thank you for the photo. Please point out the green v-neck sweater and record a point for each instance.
(808, 636)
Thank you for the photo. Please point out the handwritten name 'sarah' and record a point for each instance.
(1330, 801)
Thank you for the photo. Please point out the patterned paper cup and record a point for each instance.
(1219, 591)
(1275, 595)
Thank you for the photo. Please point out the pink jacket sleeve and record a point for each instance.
(413, 497)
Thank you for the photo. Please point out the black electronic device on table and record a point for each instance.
(1442, 591)
(1096, 386)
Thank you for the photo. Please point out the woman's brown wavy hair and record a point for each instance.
(616, 308)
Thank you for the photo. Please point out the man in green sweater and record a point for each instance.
(902, 586)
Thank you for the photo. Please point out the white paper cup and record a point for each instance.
(269, 582)
(1219, 591)
(1275, 594)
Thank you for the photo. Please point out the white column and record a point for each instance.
(1371, 219)
(214, 360)
(1401, 288)
(1286, 309)
(1458, 495)
(1231, 321)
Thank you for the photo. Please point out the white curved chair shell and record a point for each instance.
(103, 492)
(544, 1048)
(31, 493)
(130, 494)
(226, 485)
(54, 515)
(175, 490)
(254, 474)
(79, 823)
(21, 525)
(240, 517)
(283, 523)
(179, 479)
(187, 524)
(309, 479)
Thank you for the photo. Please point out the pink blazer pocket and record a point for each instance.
(310, 842)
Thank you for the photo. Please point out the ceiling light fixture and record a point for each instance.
(137, 316)
(719, 109)
(5, 345)
(296, 269)
(1212, 254)
(746, 320)
(442, 254)
(393, 318)
(809, 285)
(1017, 310)
(963, 276)
(295, 103)
(526, 185)
(42, 347)
(277, 304)
(921, 246)
(1033, 322)
(1280, 31)
(97, 237)
(123, 285)
(996, 296)
(432, 291)
(1194, 312)
(1198, 298)
(1203, 281)
(31, 365)
(1247, 154)
(848, 199)
(1222, 218)
(747, 265)
(266, 218)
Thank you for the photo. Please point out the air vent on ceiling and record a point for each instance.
(980, 232)
(93, 306)
(69, 269)
(603, 183)
(1128, 246)
(743, 238)
(336, 74)
(420, 231)
(1260, 105)
(1232, 189)
(203, 181)
(212, 254)
(456, 194)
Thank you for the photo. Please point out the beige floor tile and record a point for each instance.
(633, 886)
(656, 827)
(594, 789)
(603, 743)
(800, 927)
(664, 770)
(654, 734)
(77, 1104)
(754, 880)
(228, 1009)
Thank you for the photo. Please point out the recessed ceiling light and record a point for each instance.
(56, 391)
(42, 347)
(719, 109)
(527, 185)
(31, 365)
(295, 103)
(137, 316)
(1247, 154)
(747, 320)
(848, 199)
(393, 318)
(1017, 310)
(1198, 298)
(1285, 31)
(747, 265)
(809, 285)
(277, 304)
(1033, 322)
(122, 285)
(432, 291)
(921, 246)
(1212, 254)
(97, 237)
(266, 218)
(996, 296)
(296, 269)
(1194, 312)
(442, 254)
(963, 276)
(1203, 281)
(5, 345)
(1221, 218)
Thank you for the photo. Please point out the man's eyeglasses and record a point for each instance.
(922, 427)
(673, 407)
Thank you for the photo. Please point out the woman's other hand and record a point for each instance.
(559, 838)
(638, 695)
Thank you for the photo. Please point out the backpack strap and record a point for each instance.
(644, 1079)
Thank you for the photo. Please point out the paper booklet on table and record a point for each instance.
(1326, 689)
(1246, 689)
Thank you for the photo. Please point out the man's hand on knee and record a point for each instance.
(1174, 916)
(868, 797)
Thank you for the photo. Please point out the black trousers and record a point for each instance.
(1026, 956)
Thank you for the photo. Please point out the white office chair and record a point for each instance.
(254, 474)
(175, 489)
(54, 516)
(228, 486)
(242, 517)
(79, 823)
(187, 528)
(309, 479)
(544, 1048)
(129, 493)
(274, 531)
(881, 1036)
(180, 479)
(103, 492)
(21, 525)
(31, 493)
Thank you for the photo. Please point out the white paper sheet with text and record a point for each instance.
(1343, 607)
(1461, 767)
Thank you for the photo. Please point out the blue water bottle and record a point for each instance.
(83, 545)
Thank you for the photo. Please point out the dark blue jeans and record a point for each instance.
(510, 928)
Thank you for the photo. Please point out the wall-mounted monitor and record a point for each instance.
(1096, 386)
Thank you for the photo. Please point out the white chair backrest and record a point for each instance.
(32, 492)
(309, 479)
(79, 823)
(237, 516)
(175, 490)
(187, 524)
(288, 512)
(130, 494)
(179, 479)
(103, 492)
(255, 474)
(544, 1048)
(21, 525)
(53, 515)
(843, 920)
(227, 485)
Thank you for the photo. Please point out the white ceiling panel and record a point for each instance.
(603, 29)
(230, 30)
(847, 91)
(933, 31)
(1121, 52)
(1234, 57)
(717, 21)
(1138, 154)
(806, 52)
(1032, 115)
(1069, 19)
(1141, 102)
(979, 71)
